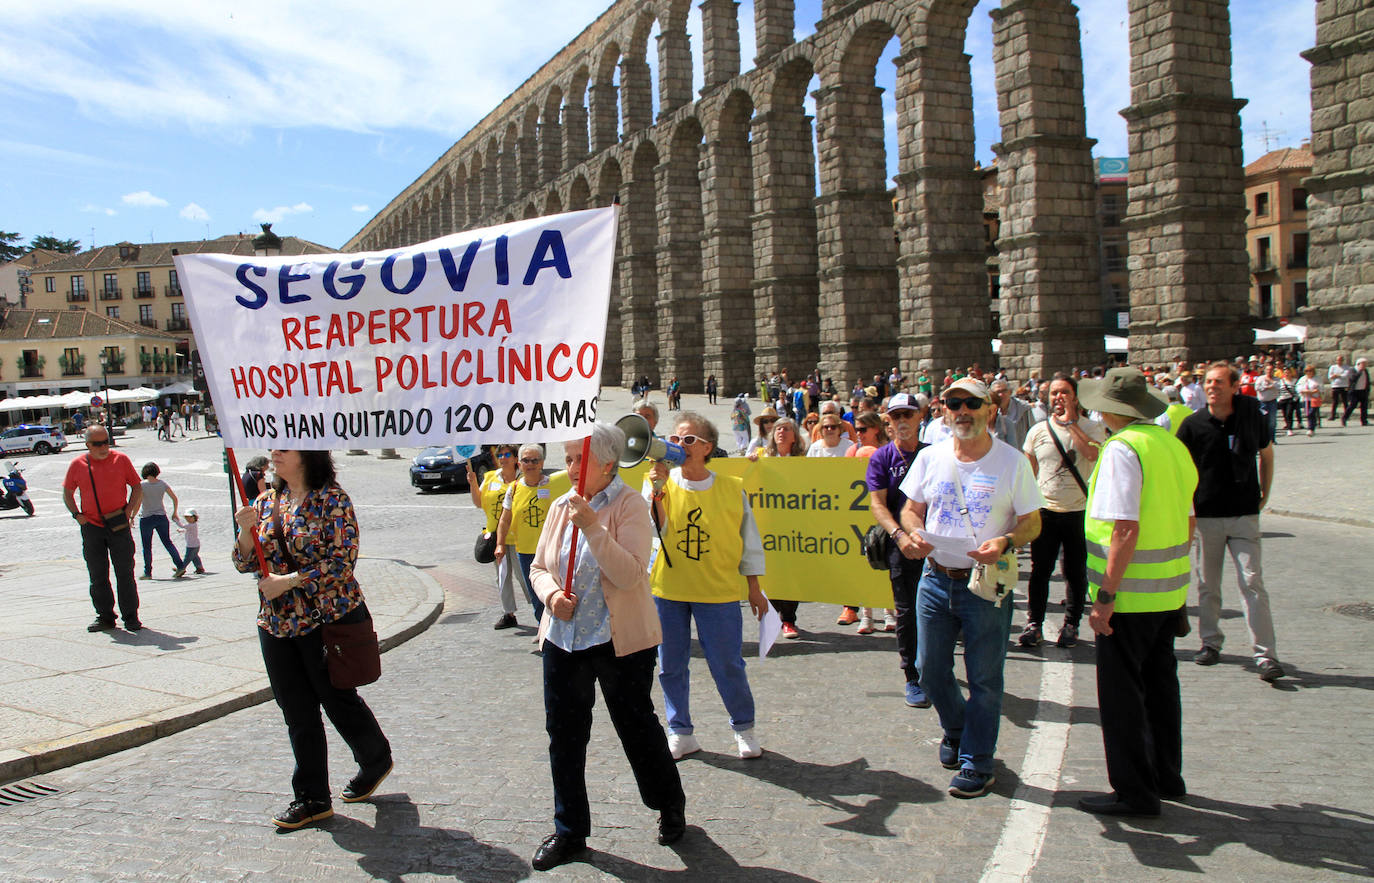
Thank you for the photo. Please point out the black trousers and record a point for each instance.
(1142, 717)
(787, 610)
(300, 684)
(905, 575)
(101, 548)
(570, 695)
(1359, 398)
(1058, 530)
(1340, 397)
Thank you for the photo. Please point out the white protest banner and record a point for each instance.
(491, 335)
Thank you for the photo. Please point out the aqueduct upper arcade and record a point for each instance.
(745, 249)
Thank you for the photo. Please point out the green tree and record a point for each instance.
(8, 250)
(52, 243)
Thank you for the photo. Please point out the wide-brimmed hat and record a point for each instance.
(1123, 391)
(768, 413)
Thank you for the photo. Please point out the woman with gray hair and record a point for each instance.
(602, 628)
(522, 516)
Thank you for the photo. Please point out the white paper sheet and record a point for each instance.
(769, 628)
(957, 547)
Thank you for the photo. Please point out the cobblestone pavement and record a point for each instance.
(849, 787)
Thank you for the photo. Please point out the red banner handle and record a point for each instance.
(236, 481)
(581, 486)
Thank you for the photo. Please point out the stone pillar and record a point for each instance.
(1185, 216)
(550, 150)
(945, 313)
(491, 190)
(678, 309)
(858, 290)
(1050, 286)
(637, 267)
(720, 42)
(574, 135)
(446, 209)
(727, 260)
(636, 95)
(459, 210)
(510, 172)
(773, 28)
(674, 70)
(1340, 274)
(475, 197)
(786, 275)
(603, 97)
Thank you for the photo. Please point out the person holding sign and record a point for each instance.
(488, 495)
(522, 517)
(602, 628)
(711, 559)
(784, 441)
(308, 532)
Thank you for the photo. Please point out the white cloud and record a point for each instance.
(273, 215)
(92, 208)
(143, 199)
(363, 208)
(193, 212)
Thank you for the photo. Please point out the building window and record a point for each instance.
(112, 312)
(1299, 199)
(145, 315)
(144, 285)
(1121, 298)
(179, 312)
(1111, 210)
(111, 282)
(1261, 205)
(1299, 295)
(1299, 258)
(1266, 300)
(1264, 260)
(31, 364)
(79, 285)
(50, 284)
(1114, 257)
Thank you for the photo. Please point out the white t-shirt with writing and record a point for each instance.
(998, 488)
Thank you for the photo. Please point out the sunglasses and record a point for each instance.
(98, 444)
(531, 461)
(685, 440)
(954, 403)
(829, 426)
(504, 456)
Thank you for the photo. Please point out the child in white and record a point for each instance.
(191, 527)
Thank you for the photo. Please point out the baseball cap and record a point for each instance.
(191, 513)
(973, 387)
(903, 401)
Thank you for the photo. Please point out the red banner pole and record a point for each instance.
(581, 486)
(236, 478)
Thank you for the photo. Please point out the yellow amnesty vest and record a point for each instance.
(493, 493)
(1157, 577)
(528, 509)
(1178, 412)
(702, 538)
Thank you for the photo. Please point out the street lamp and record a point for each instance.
(105, 380)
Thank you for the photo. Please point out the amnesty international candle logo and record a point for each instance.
(496, 507)
(533, 515)
(693, 538)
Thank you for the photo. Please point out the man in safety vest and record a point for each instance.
(1138, 534)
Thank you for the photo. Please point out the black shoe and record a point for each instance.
(101, 625)
(362, 786)
(147, 574)
(134, 626)
(301, 813)
(507, 621)
(672, 824)
(1113, 805)
(557, 849)
(1207, 656)
(1270, 670)
(949, 753)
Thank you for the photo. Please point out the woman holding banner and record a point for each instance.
(488, 495)
(524, 508)
(711, 560)
(309, 536)
(603, 628)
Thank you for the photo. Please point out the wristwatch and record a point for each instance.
(1104, 597)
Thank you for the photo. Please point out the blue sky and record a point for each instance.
(153, 120)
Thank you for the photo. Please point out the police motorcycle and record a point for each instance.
(15, 489)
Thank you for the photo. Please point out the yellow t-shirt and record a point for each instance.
(529, 507)
(493, 489)
(702, 537)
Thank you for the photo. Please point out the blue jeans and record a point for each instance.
(943, 605)
(1270, 410)
(525, 562)
(720, 629)
(146, 526)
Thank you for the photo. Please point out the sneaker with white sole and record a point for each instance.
(747, 743)
(889, 622)
(682, 744)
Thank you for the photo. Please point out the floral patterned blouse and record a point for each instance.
(322, 534)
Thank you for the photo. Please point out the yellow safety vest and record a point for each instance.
(702, 538)
(529, 506)
(1157, 577)
(1178, 412)
(493, 493)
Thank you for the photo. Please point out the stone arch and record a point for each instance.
(510, 167)
(491, 172)
(553, 204)
(551, 135)
(575, 136)
(459, 213)
(443, 196)
(579, 194)
(529, 211)
(639, 266)
(860, 43)
(474, 181)
(608, 185)
(603, 99)
(529, 148)
(728, 208)
(636, 85)
(681, 339)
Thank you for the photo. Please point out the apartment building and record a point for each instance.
(1276, 233)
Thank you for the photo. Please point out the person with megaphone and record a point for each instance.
(710, 560)
(602, 627)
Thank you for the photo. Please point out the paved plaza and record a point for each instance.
(849, 787)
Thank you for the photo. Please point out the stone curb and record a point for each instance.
(1313, 516)
(43, 757)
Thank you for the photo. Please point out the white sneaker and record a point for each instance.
(889, 622)
(682, 744)
(747, 743)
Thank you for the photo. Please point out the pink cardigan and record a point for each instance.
(621, 542)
